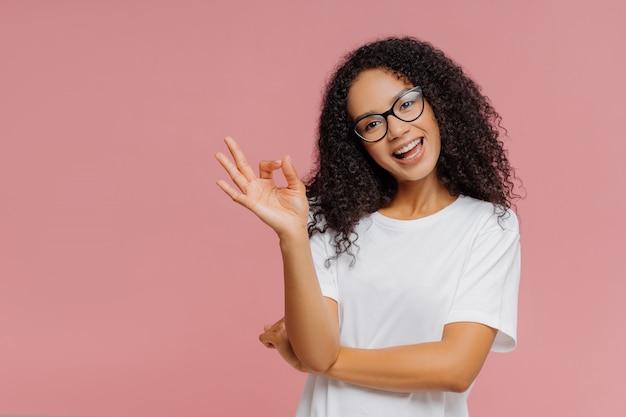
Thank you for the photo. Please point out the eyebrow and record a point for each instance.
(393, 101)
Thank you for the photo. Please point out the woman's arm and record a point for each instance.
(310, 321)
(313, 330)
(451, 364)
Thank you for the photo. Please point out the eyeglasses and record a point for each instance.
(408, 107)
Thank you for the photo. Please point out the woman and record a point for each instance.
(401, 255)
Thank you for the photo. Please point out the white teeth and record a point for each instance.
(408, 147)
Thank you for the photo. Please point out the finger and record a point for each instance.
(267, 167)
(232, 171)
(289, 171)
(269, 345)
(280, 324)
(235, 195)
(240, 159)
(279, 321)
(266, 341)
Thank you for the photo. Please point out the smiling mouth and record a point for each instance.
(409, 150)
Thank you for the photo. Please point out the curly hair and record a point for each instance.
(346, 184)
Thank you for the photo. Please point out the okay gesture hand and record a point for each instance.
(284, 209)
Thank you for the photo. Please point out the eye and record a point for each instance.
(370, 124)
(406, 105)
(373, 124)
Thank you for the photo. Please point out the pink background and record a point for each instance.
(131, 286)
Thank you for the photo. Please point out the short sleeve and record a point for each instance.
(326, 273)
(488, 289)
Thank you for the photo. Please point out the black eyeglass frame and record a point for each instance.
(388, 113)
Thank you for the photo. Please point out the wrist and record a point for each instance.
(296, 237)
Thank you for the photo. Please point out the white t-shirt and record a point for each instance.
(410, 278)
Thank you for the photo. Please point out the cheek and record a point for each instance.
(436, 135)
(437, 148)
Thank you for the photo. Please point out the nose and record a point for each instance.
(396, 127)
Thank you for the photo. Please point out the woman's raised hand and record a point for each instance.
(284, 209)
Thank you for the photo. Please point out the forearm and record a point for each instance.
(313, 331)
(449, 365)
(399, 369)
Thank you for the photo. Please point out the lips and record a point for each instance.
(409, 150)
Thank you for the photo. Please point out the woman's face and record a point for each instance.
(410, 150)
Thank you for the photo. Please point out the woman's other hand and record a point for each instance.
(275, 337)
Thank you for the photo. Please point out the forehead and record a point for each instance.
(374, 91)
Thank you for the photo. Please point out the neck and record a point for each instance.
(418, 199)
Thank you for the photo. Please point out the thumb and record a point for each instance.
(289, 171)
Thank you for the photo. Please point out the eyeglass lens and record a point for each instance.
(407, 108)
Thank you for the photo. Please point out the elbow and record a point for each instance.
(317, 368)
(319, 360)
(459, 381)
(322, 362)
(318, 357)
(460, 385)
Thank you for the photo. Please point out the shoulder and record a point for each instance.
(486, 215)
